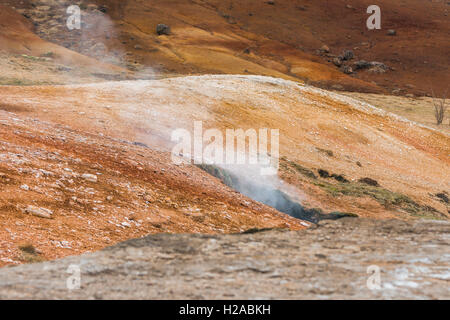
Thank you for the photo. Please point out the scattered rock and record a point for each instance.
(337, 87)
(326, 151)
(347, 69)
(361, 64)
(374, 66)
(324, 173)
(325, 49)
(43, 8)
(337, 61)
(391, 32)
(443, 196)
(39, 212)
(103, 9)
(163, 29)
(369, 181)
(339, 177)
(89, 177)
(347, 55)
(25, 187)
(149, 198)
(378, 67)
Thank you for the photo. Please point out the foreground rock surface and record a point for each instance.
(327, 262)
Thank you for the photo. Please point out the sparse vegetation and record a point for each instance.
(29, 254)
(287, 164)
(217, 172)
(383, 196)
(440, 108)
(49, 54)
(443, 196)
(22, 82)
(326, 151)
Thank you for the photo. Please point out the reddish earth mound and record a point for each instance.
(319, 131)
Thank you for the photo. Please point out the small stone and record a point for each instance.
(369, 181)
(348, 55)
(391, 32)
(337, 62)
(39, 212)
(25, 187)
(337, 87)
(362, 64)
(325, 49)
(89, 177)
(163, 29)
(347, 69)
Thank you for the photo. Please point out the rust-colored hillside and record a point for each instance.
(279, 38)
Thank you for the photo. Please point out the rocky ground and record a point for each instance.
(96, 160)
(331, 261)
(65, 192)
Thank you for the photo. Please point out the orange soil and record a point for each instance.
(281, 40)
(139, 191)
(402, 156)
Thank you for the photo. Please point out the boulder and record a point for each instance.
(361, 64)
(325, 49)
(337, 61)
(369, 181)
(347, 55)
(347, 69)
(163, 29)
